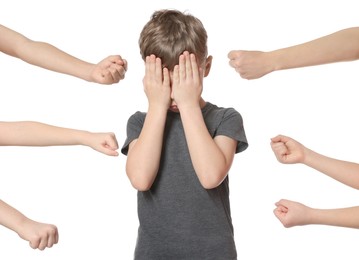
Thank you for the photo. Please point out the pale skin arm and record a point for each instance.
(288, 150)
(339, 46)
(211, 158)
(108, 71)
(29, 133)
(39, 235)
(147, 148)
(291, 213)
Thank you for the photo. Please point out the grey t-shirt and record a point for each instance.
(179, 219)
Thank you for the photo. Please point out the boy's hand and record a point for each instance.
(38, 234)
(291, 213)
(105, 143)
(156, 83)
(287, 150)
(187, 81)
(110, 70)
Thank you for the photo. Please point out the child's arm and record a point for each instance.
(211, 158)
(38, 134)
(287, 150)
(342, 45)
(110, 70)
(144, 153)
(291, 213)
(39, 235)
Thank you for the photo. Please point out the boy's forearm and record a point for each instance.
(208, 160)
(147, 150)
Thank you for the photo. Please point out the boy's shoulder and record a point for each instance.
(138, 115)
(217, 107)
(224, 111)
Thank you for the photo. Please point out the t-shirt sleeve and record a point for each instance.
(232, 126)
(134, 128)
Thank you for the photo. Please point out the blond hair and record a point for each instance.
(169, 33)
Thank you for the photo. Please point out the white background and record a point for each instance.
(87, 194)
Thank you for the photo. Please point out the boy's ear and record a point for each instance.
(208, 66)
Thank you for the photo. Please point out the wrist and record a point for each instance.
(157, 108)
(87, 71)
(274, 60)
(312, 216)
(308, 157)
(20, 225)
(189, 109)
(191, 106)
(83, 138)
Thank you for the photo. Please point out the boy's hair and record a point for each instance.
(169, 33)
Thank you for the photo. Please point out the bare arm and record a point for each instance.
(211, 158)
(148, 147)
(147, 150)
(110, 70)
(342, 45)
(343, 171)
(291, 213)
(343, 217)
(287, 150)
(339, 46)
(29, 133)
(39, 235)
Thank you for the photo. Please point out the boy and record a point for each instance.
(180, 151)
